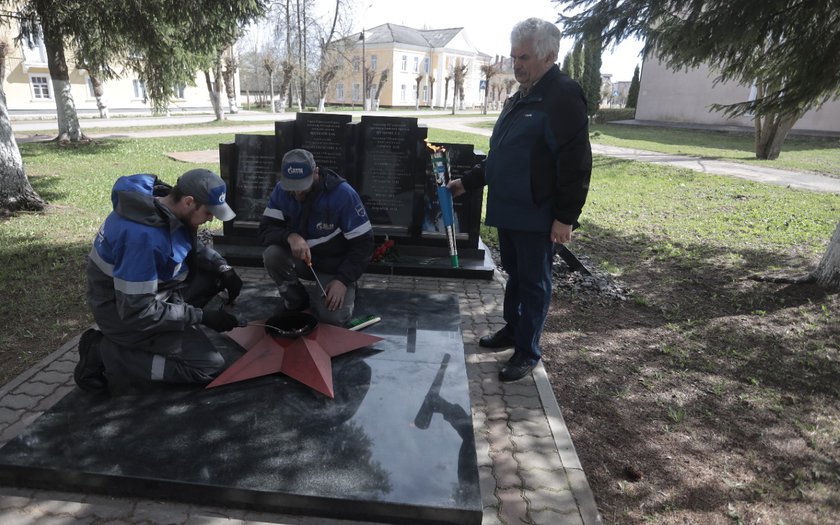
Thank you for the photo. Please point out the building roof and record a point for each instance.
(397, 34)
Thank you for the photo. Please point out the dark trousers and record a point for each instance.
(286, 271)
(527, 258)
(182, 357)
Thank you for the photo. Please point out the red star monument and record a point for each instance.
(307, 359)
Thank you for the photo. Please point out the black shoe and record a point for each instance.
(515, 369)
(89, 373)
(498, 340)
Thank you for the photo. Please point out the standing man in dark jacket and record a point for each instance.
(148, 279)
(537, 173)
(315, 225)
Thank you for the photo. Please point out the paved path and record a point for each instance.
(32, 130)
(528, 468)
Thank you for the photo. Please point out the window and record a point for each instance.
(356, 93)
(356, 64)
(178, 91)
(425, 93)
(426, 65)
(139, 89)
(373, 62)
(416, 64)
(404, 63)
(40, 87)
(339, 91)
(402, 92)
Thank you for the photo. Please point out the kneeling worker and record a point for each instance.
(316, 228)
(148, 279)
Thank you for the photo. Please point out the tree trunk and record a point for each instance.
(229, 75)
(827, 273)
(69, 129)
(16, 194)
(99, 93)
(215, 92)
(322, 104)
(271, 90)
(771, 132)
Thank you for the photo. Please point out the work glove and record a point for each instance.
(232, 283)
(219, 320)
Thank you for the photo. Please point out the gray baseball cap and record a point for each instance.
(297, 170)
(209, 189)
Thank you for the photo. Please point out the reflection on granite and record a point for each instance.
(396, 443)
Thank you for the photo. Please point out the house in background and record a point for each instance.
(407, 54)
(685, 96)
(29, 89)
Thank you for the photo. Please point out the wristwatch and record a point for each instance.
(225, 267)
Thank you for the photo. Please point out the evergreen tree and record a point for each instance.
(567, 63)
(633, 92)
(592, 72)
(783, 48)
(578, 63)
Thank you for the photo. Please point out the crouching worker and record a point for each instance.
(148, 279)
(315, 228)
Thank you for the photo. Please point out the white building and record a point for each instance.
(685, 96)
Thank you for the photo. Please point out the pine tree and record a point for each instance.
(633, 92)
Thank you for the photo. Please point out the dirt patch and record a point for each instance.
(210, 156)
(695, 395)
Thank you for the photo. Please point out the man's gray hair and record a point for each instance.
(544, 35)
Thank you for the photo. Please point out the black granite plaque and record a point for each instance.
(389, 172)
(326, 136)
(284, 140)
(394, 445)
(255, 176)
(467, 207)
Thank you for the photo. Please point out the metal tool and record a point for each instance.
(321, 286)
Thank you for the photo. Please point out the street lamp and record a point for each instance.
(365, 105)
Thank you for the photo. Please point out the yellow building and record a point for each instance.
(408, 54)
(29, 88)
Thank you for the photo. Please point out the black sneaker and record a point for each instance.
(89, 373)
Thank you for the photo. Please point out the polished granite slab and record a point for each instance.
(395, 445)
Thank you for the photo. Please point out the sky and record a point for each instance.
(487, 27)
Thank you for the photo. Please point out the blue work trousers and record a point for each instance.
(527, 258)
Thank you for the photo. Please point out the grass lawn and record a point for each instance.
(800, 153)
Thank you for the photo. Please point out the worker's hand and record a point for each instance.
(456, 187)
(560, 233)
(232, 283)
(219, 320)
(335, 295)
(299, 248)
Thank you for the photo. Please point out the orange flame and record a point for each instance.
(434, 148)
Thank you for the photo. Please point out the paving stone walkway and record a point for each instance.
(528, 468)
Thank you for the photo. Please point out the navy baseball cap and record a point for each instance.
(297, 170)
(209, 189)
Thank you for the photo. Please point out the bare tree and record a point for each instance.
(383, 78)
(431, 91)
(446, 79)
(459, 75)
(16, 194)
(417, 82)
(270, 65)
(489, 71)
(328, 67)
(231, 64)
